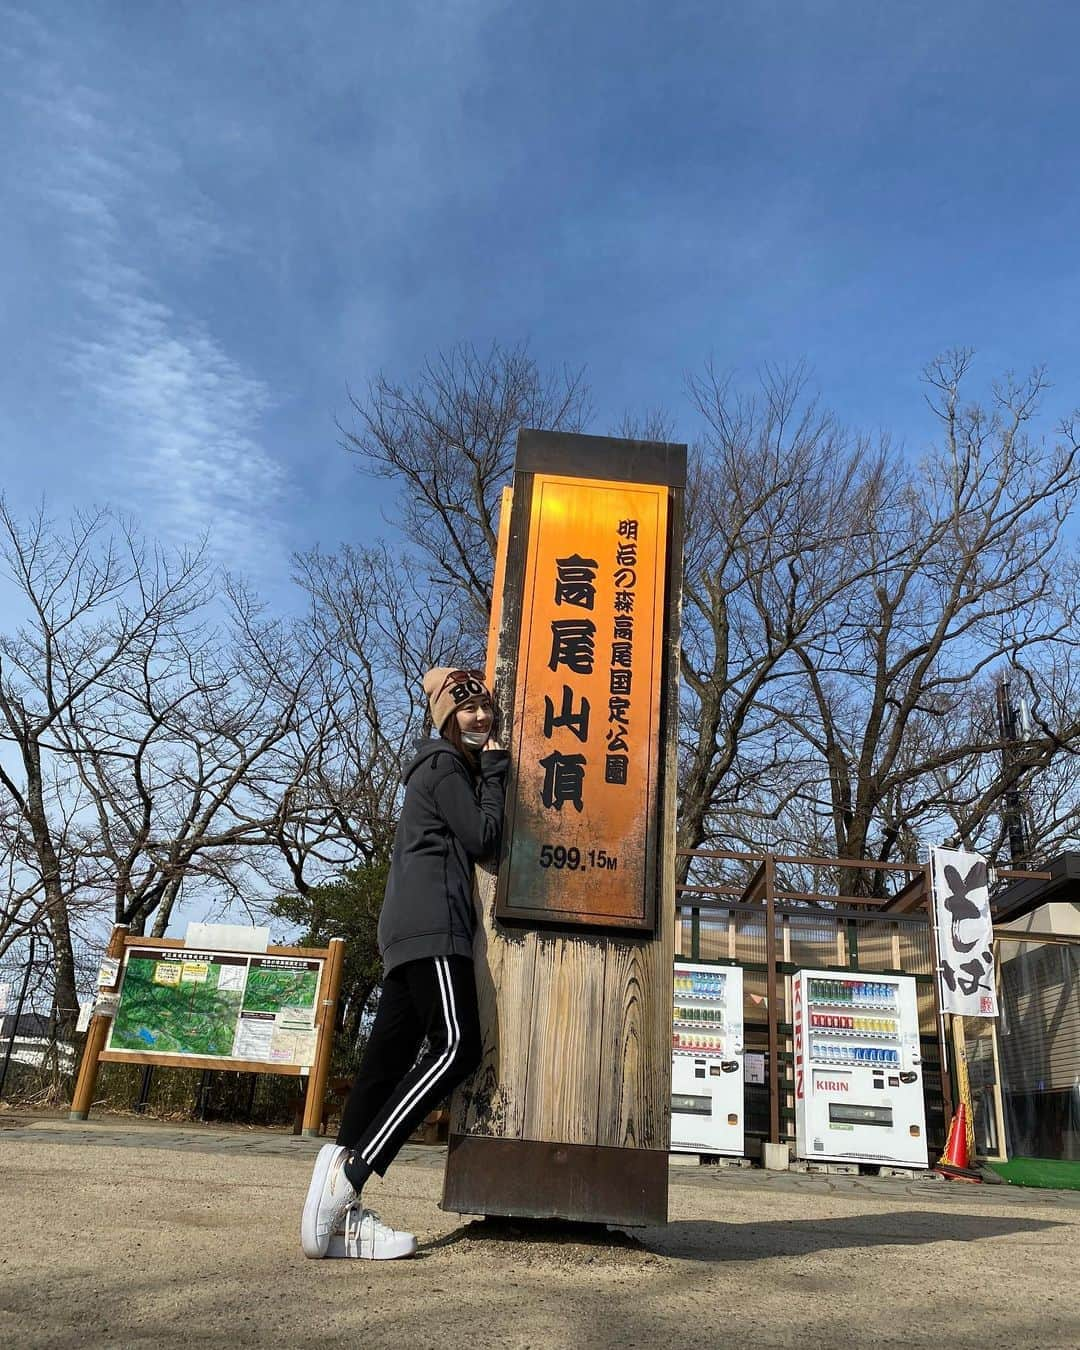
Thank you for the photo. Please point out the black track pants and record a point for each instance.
(396, 1086)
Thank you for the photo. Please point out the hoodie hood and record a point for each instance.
(425, 750)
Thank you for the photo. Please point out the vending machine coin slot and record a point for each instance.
(690, 1105)
(843, 1113)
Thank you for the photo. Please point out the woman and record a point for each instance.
(451, 819)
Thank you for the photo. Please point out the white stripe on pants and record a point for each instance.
(433, 1074)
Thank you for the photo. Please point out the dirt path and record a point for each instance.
(127, 1238)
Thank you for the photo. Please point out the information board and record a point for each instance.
(217, 1005)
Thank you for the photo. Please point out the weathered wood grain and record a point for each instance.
(563, 1081)
(628, 1115)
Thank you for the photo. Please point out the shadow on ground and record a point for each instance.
(539, 1232)
(706, 1240)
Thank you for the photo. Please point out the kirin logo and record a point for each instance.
(798, 1040)
(833, 1085)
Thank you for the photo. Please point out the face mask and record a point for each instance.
(475, 740)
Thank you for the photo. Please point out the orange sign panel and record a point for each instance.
(581, 819)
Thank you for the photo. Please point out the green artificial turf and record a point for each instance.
(1049, 1173)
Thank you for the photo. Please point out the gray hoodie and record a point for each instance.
(449, 821)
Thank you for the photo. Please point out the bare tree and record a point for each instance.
(842, 608)
(24, 901)
(22, 892)
(448, 441)
(776, 491)
(963, 574)
(1016, 795)
(181, 758)
(375, 625)
(95, 598)
(166, 738)
(156, 723)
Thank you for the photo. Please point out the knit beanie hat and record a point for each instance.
(447, 689)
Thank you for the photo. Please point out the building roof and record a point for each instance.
(1021, 897)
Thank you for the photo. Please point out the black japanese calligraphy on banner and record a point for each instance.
(965, 933)
(587, 701)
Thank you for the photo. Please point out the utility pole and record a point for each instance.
(1009, 727)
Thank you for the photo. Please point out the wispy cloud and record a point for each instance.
(179, 415)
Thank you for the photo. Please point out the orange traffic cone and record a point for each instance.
(956, 1150)
(953, 1163)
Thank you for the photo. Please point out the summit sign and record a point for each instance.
(588, 685)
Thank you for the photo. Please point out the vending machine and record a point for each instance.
(858, 1070)
(707, 1060)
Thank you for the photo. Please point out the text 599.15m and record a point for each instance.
(576, 859)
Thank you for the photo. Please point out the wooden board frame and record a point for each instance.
(326, 998)
(556, 462)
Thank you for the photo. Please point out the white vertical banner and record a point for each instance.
(965, 933)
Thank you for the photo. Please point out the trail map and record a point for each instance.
(270, 990)
(174, 1001)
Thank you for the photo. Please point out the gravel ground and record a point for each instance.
(114, 1234)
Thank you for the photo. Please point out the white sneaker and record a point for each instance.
(329, 1196)
(365, 1236)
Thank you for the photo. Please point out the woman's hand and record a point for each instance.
(493, 743)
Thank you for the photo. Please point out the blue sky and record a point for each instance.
(218, 216)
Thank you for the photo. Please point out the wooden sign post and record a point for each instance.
(268, 1011)
(568, 1115)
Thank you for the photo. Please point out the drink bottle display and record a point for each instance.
(858, 1073)
(707, 1059)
